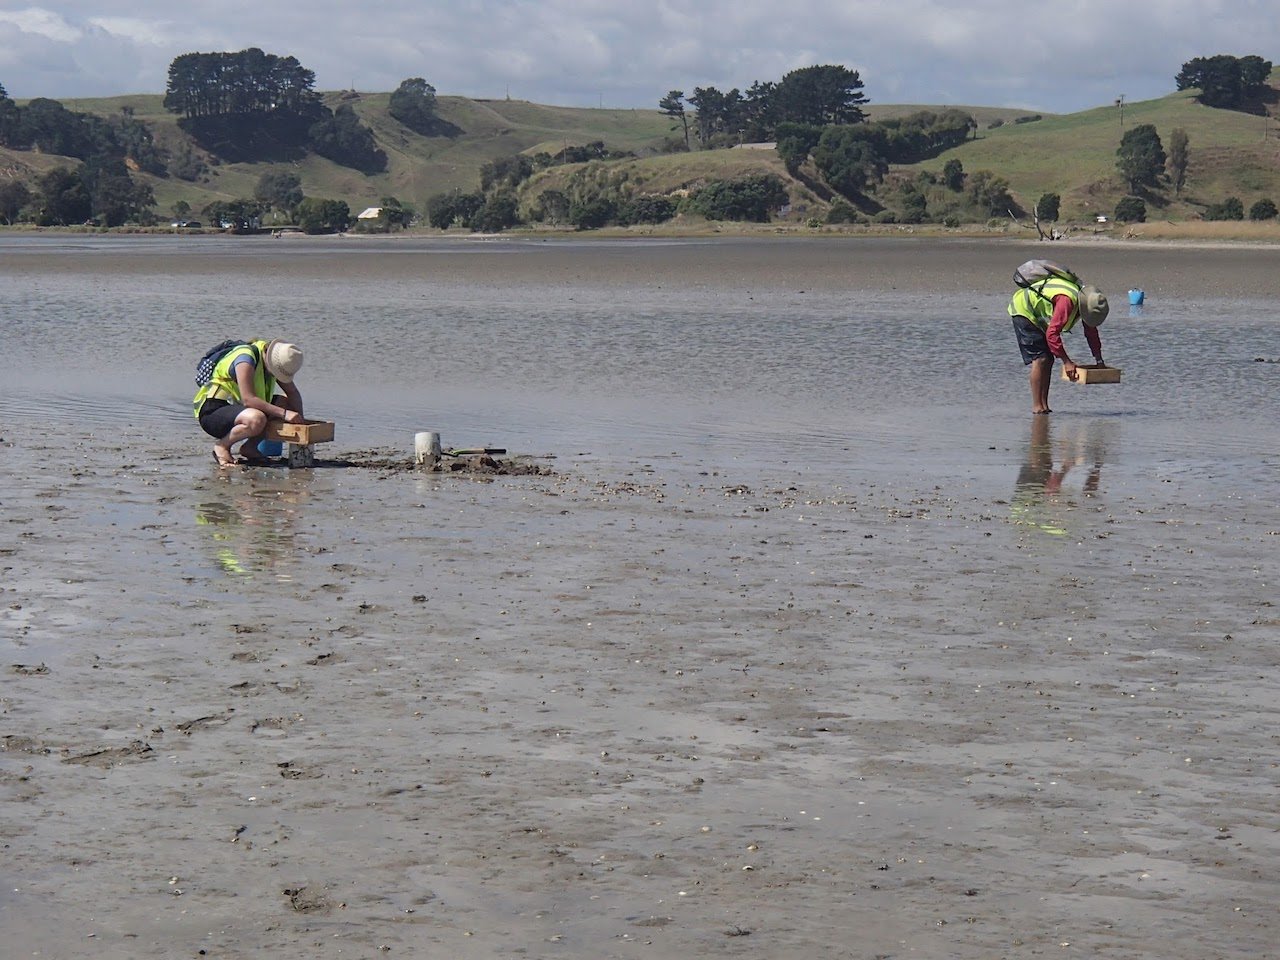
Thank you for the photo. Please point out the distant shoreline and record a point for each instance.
(1205, 234)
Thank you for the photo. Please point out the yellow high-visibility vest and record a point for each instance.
(223, 384)
(1036, 302)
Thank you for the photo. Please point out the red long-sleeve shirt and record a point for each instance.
(1061, 311)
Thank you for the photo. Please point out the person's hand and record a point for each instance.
(1070, 370)
(292, 416)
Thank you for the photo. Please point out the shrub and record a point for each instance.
(316, 215)
(592, 213)
(749, 198)
(1264, 209)
(185, 164)
(914, 208)
(842, 212)
(646, 210)
(1131, 210)
(552, 207)
(953, 175)
(446, 209)
(1229, 209)
(498, 213)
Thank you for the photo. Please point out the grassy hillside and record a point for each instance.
(1073, 155)
(417, 166)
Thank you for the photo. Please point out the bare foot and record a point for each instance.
(1045, 410)
(223, 456)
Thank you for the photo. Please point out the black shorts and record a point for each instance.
(217, 417)
(1032, 341)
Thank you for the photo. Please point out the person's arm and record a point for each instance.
(1095, 343)
(244, 377)
(1061, 312)
(294, 394)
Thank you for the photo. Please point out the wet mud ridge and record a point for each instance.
(483, 465)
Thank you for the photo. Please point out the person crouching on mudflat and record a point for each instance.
(241, 397)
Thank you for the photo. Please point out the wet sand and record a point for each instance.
(668, 706)
(1164, 270)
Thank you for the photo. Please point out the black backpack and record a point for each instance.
(204, 368)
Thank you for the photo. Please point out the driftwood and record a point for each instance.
(1053, 234)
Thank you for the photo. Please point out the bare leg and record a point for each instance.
(1041, 373)
(249, 425)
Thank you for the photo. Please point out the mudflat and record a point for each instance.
(953, 687)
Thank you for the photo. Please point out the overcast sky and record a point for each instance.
(1060, 58)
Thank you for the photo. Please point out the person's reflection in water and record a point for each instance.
(1039, 499)
(251, 523)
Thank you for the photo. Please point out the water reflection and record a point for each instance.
(1042, 498)
(250, 518)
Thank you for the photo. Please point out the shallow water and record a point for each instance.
(845, 356)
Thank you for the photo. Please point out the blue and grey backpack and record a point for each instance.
(204, 368)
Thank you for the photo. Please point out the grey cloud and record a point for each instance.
(584, 52)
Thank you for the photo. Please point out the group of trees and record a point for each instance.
(815, 113)
(413, 103)
(278, 194)
(906, 139)
(817, 95)
(494, 206)
(252, 105)
(99, 189)
(1146, 169)
(594, 196)
(1225, 81)
(1233, 209)
(248, 82)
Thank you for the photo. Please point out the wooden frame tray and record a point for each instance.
(1092, 373)
(305, 433)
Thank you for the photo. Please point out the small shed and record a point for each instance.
(369, 213)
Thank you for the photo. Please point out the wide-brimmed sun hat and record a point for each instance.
(283, 360)
(1093, 305)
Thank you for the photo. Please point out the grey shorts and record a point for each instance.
(1032, 341)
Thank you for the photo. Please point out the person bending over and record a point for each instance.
(1041, 315)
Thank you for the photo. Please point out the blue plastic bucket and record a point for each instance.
(1136, 297)
(271, 448)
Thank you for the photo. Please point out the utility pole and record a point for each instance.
(1120, 104)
